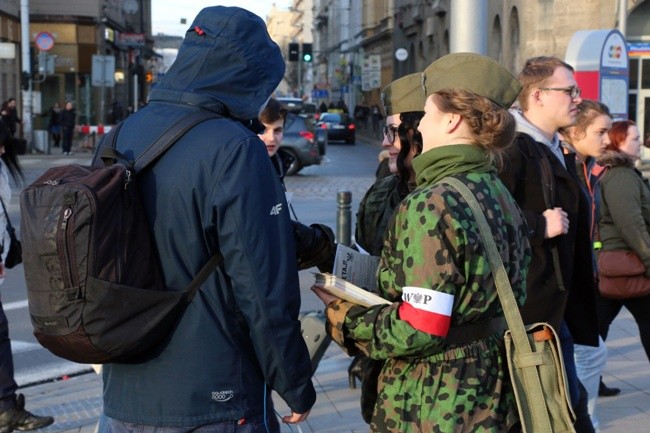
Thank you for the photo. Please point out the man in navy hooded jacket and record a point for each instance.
(215, 191)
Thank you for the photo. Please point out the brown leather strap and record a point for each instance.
(465, 334)
(543, 334)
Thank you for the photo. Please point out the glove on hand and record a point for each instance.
(314, 244)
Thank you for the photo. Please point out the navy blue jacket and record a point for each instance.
(215, 190)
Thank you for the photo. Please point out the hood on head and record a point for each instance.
(616, 158)
(227, 63)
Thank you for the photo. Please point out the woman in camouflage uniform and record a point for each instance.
(442, 338)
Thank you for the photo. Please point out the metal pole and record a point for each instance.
(468, 26)
(344, 218)
(622, 16)
(27, 71)
(300, 60)
(136, 92)
(103, 97)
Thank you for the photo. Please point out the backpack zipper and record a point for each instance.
(122, 232)
(69, 279)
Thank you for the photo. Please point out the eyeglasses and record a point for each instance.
(572, 91)
(390, 132)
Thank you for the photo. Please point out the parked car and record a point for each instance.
(306, 145)
(339, 126)
(298, 106)
(294, 105)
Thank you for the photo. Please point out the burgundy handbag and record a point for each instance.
(622, 275)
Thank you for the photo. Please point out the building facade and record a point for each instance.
(10, 54)
(65, 35)
(358, 41)
(354, 43)
(294, 26)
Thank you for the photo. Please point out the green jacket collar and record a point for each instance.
(437, 163)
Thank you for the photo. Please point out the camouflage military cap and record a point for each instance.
(474, 72)
(403, 95)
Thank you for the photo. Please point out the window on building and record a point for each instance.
(634, 73)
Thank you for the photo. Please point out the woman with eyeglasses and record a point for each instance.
(403, 103)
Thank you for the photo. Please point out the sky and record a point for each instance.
(166, 14)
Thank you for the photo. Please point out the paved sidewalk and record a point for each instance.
(76, 402)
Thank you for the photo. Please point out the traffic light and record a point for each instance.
(306, 53)
(293, 51)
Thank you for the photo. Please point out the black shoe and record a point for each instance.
(606, 391)
(17, 418)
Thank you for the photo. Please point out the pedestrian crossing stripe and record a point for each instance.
(18, 346)
(14, 305)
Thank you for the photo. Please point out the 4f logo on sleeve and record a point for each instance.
(275, 210)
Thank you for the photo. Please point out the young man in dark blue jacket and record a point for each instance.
(215, 191)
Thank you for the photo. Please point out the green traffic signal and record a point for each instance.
(307, 53)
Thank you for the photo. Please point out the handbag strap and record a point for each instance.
(9, 226)
(509, 305)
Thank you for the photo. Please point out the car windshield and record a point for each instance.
(330, 117)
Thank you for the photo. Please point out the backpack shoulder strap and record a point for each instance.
(109, 154)
(106, 154)
(170, 137)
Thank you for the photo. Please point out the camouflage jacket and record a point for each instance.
(428, 384)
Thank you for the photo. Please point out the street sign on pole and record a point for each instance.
(102, 75)
(103, 71)
(44, 41)
(371, 72)
(46, 63)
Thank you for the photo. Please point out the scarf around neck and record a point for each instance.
(437, 163)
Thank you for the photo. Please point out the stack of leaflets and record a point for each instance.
(346, 290)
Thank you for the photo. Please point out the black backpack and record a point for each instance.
(94, 285)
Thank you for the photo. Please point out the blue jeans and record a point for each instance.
(7, 383)
(576, 390)
(590, 364)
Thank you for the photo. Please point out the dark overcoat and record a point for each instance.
(546, 301)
